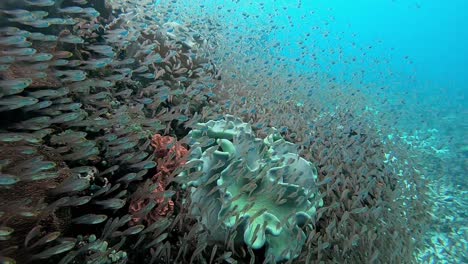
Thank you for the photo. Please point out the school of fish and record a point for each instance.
(97, 98)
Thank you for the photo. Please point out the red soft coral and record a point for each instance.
(157, 212)
(170, 154)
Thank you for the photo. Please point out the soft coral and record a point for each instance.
(170, 154)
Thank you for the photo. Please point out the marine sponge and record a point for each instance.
(261, 188)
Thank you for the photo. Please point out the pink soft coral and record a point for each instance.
(160, 210)
(170, 154)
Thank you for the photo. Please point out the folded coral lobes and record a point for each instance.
(254, 186)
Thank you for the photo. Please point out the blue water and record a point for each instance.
(426, 41)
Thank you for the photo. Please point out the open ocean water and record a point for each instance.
(233, 131)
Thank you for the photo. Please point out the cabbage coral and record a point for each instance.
(261, 188)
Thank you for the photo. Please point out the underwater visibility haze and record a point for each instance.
(234, 131)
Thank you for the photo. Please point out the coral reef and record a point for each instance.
(105, 157)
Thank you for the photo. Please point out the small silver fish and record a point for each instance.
(71, 10)
(90, 219)
(20, 52)
(71, 39)
(41, 3)
(112, 203)
(6, 179)
(72, 184)
(63, 247)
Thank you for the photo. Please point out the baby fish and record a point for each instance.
(40, 66)
(102, 83)
(63, 247)
(58, 21)
(102, 49)
(67, 117)
(146, 164)
(46, 239)
(5, 231)
(125, 93)
(16, 13)
(59, 62)
(70, 136)
(40, 23)
(91, 12)
(90, 219)
(141, 69)
(12, 40)
(72, 39)
(77, 201)
(41, 3)
(128, 177)
(97, 64)
(27, 150)
(99, 96)
(133, 230)
(36, 57)
(147, 75)
(123, 62)
(16, 83)
(35, 123)
(74, 63)
(62, 54)
(112, 204)
(15, 102)
(125, 71)
(82, 154)
(72, 75)
(9, 87)
(71, 10)
(72, 184)
(10, 31)
(36, 36)
(39, 14)
(43, 57)
(23, 33)
(50, 93)
(156, 58)
(7, 179)
(68, 107)
(41, 176)
(23, 19)
(20, 52)
(115, 77)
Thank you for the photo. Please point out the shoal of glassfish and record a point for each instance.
(43, 74)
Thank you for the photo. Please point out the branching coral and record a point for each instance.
(262, 188)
